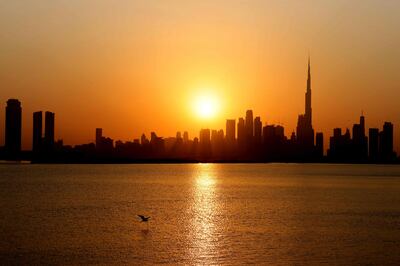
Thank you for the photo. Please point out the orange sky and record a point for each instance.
(136, 66)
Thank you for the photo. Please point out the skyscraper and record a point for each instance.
(230, 131)
(373, 143)
(214, 135)
(257, 130)
(49, 130)
(241, 133)
(249, 126)
(13, 127)
(144, 140)
(308, 109)
(185, 137)
(205, 136)
(205, 143)
(319, 144)
(274, 138)
(340, 146)
(37, 131)
(304, 130)
(359, 141)
(386, 142)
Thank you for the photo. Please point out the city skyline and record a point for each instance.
(304, 132)
(27, 139)
(114, 64)
(248, 140)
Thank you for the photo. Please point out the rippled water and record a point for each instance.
(201, 214)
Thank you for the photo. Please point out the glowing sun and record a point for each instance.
(206, 106)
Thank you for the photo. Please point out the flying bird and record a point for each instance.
(143, 218)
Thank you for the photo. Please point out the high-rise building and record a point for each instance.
(280, 132)
(37, 131)
(274, 140)
(304, 130)
(205, 143)
(360, 141)
(185, 137)
(205, 136)
(214, 135)
(49, 130)
(217, 143)
(230, 131)
(104, 146)
(373, 143)
(249, 127)
(241, 133)
(319, 144)
(308, 109)
(144, 140)
(386, 142)
(13, 127)
(340, 146)
(157, 144)
(257, 130)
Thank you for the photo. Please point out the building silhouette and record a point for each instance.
(205, 143)
(386, 142)
(49, 131)
(257, 131)
(157, 145)
(340, 145)
(304, 130)
(249, 129)
(217, 144)
(241, 134)
(359, 151)
(104, 146)
(274, 142)
(13, 128)
(230, 131)
(144, 140)
(319, 145)
(373, 144)
(358, 148)
(185, 137)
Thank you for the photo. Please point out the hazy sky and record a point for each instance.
(137, 66)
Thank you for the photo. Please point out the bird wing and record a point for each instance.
(141, 217)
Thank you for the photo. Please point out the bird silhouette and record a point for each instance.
(143, 218)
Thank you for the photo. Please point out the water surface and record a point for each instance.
(230, 214)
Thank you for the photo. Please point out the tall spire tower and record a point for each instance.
(308, 110)
(304, 130)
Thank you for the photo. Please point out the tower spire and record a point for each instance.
(309, 74)
(308, 109)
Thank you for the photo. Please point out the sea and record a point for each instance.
(200, 214)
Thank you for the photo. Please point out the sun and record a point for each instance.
(206, 106)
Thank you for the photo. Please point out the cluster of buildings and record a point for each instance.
(377, 147)
(42, 142)
(243, 140)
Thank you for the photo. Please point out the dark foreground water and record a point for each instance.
(275, 214)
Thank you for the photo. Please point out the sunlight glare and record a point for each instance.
(206, 106)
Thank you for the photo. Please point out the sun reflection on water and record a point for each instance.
(204, 224)
(205, 181)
